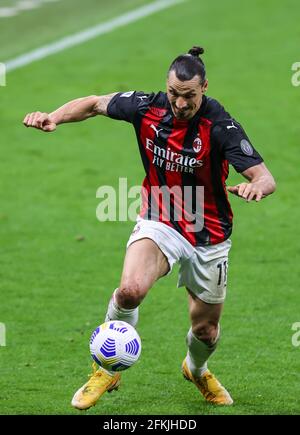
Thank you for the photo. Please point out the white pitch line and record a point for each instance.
(90, 33)
(21, 6)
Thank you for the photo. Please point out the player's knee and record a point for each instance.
(206, 332)
(130, 294)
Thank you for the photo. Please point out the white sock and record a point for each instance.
(114, 312)
(198, 353)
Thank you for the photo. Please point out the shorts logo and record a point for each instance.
(197, 144)
(246, 147)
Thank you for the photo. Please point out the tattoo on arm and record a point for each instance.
(102, 103)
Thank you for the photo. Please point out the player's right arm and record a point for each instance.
(73, 111)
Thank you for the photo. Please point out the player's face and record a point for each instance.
(185, 97)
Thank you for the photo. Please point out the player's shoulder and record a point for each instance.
(156, 103)
(158, 99)
(221, 120)
(130, 105)
(152, 99)
(214, 111)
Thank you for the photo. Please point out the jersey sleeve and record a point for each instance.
(235, 145)
(124, 106)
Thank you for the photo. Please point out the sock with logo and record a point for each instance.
(114, 312)
(198, 353)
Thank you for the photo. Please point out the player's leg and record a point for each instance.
(202, 341)
(143, 265)
(203, 335)
(205, 277)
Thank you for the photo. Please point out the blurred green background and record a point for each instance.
(55, 288)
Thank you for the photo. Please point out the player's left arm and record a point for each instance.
(261, 184)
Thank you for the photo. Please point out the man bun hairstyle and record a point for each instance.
(195, 51)
(187, 66)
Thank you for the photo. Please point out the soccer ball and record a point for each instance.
(115, 345)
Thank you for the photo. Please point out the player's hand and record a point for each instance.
(247, 191)
(39, 120)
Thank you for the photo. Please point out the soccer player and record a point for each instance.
(186, 140)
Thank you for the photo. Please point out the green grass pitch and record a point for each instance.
(55, 289)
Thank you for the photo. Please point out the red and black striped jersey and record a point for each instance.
(182, 156)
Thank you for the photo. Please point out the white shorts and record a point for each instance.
(202, 269)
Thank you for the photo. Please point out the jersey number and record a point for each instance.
(222, 272)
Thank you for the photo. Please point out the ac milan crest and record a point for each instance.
(197, 144)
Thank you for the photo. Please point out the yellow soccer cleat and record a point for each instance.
(100, 381)
(209, 386)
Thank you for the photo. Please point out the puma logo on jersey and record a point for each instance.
(231, 126)
(155, 129)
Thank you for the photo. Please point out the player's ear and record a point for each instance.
(205, 86)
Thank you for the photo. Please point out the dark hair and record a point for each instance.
(186, 66)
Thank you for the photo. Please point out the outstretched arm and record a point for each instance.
(73, 111)
(261, 184)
